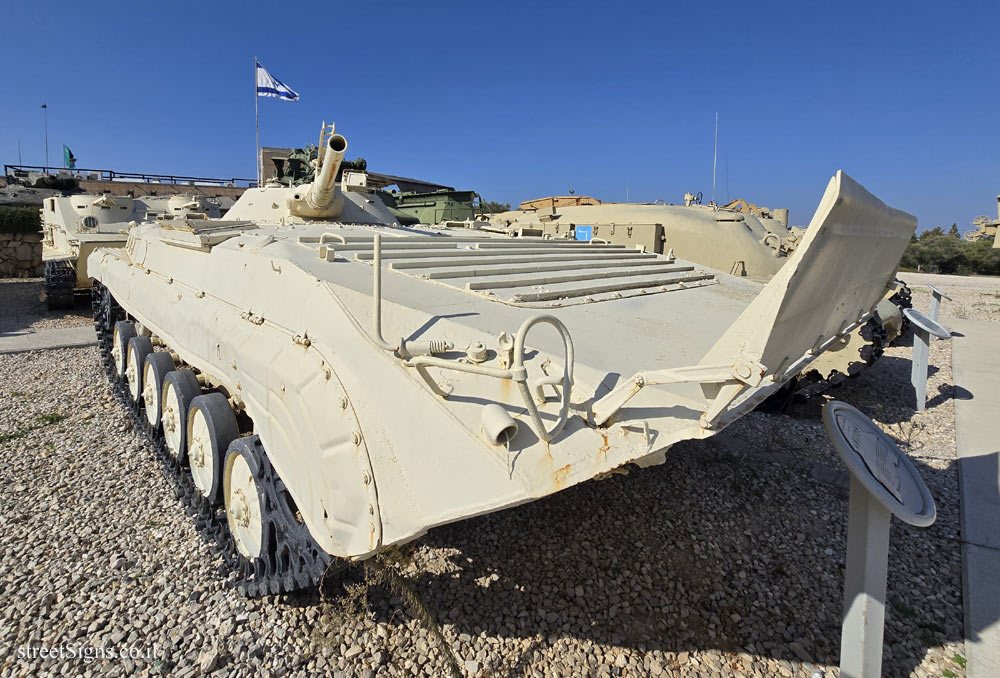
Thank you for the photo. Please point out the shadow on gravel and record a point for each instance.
(21, 305)
(705, 552)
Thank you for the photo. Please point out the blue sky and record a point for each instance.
(522, 100)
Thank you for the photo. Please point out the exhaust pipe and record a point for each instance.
(498, 426)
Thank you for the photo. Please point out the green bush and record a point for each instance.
(20, 220)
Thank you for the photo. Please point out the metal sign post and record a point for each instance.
(923, 328)
(936, 297)
(883, 483)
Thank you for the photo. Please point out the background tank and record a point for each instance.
(985, 228)
(73, 226)
(318, 407)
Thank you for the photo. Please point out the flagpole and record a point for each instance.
(256, 115)
(45, 107)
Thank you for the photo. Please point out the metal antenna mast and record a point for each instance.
(715, 155)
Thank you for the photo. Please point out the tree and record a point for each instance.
(491, 207)
(937, 251)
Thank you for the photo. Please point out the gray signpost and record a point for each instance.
(923, 328)
(936, 297)
(884, 482)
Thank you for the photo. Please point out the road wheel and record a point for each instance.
(123, 333)
(157, 367)
(180, 387)
(245, 501)
(211, 427)
(138, 349)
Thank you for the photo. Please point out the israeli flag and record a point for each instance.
(270, 86)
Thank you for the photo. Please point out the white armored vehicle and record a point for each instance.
(326, 384)
(73, 226)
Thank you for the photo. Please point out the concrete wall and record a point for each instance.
(21, 255)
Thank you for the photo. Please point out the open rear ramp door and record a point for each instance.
(831, 283)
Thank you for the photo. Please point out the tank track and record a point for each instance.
(875, 334)
(903, 298)
(296, 561)
(812, 382)
(60, 284)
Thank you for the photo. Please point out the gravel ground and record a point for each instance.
(22, 308)
(726, 560)
(973, 297)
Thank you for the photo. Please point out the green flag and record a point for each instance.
(69, 160)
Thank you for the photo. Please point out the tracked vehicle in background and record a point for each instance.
(73, 226)
(324, 383)
(985, 227)
(739, 238)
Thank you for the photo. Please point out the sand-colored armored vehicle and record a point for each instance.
(985, 228)
(326, 384)
(739, 238)
(73, 226)
(554, 201)
(739, 243)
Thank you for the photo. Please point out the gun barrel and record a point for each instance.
(322, 192)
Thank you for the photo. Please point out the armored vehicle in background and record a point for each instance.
(739, 243)
(985, 228)
(326, 383)
(433, 207)
(739, 238)
(73, 226)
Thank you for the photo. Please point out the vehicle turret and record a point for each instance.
(321, 199)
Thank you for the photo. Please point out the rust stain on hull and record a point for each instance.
(561, 476)
(603, 451)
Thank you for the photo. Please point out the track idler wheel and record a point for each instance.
(211, 427)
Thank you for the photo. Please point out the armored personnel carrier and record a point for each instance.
(728, 240)
(740, 239)
(74, 225)
(325, 384)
